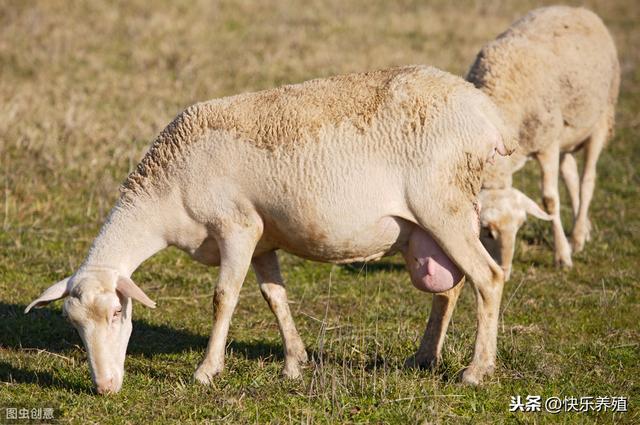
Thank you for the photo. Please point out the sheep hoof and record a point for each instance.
(302, 356)
(577, 244)
(205, 374)
(565, 263)
(291, 370)
(473, 375)
(416, 362)
(578, 240)
(580, 235)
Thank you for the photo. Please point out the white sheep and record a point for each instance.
(555, 76)
(348, 168)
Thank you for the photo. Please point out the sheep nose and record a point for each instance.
(105, 385)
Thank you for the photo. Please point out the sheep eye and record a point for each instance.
(488, 233)
(116, 315)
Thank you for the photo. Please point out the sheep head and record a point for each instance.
(503, 212)
(98, 304)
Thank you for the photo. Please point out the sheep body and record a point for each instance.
(554, 73)
(348, 168)
(555, 76)
(287, 119)
(269, 142)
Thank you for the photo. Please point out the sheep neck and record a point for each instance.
(128, 237)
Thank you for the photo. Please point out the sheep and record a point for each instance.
(342, 169)
(555, 76)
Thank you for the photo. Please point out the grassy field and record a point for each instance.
(83, 91)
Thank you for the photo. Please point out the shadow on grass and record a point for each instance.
(10, 373)
(377, 266)
(380, 364)
(255, 350)
(46, 329)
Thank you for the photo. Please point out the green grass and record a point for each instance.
(85, 88)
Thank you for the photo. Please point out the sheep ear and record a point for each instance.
(531, 207)
(128, 288)
(53, 293)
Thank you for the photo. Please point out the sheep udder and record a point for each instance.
(430, 268)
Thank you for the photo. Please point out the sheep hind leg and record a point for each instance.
(550, 163)
(273, 290)
(569, 171)
(429, 353)
(582, 228)
(236, 249)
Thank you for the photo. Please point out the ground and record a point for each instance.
(85, 88)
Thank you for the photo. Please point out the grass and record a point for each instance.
(86, 86)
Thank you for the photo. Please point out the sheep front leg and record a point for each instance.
(550, 162)
(457, 234)
(235, 256)
(429, 353)
(273, 290)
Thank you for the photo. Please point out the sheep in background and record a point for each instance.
(342, 169)
(555, 76)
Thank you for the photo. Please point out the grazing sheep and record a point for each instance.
(342, 169)
(555, 76)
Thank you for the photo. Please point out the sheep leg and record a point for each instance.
(235, 256)
(569, 171)
(429, 353)
(549, 162)
(582, 228)
(273, 290)
(463, 246)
